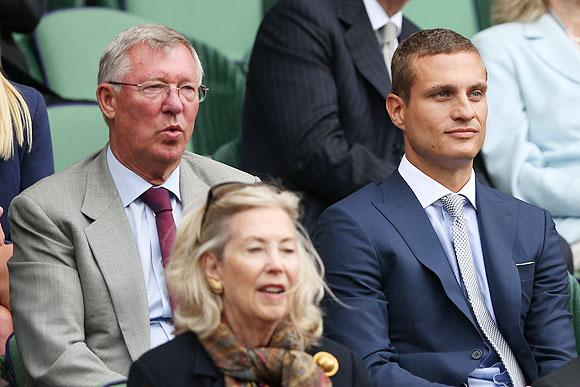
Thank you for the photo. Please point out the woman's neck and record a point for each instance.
(250, 334)
(568, 11)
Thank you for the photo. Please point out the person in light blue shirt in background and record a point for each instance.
(532, 149)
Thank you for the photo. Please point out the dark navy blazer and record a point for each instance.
(409, 320)
(26, 168)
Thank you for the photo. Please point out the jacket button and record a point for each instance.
(476, 354)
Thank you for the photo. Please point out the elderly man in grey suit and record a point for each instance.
(87, 279)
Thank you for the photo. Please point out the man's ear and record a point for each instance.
(107, 100)
(211, 266)
(396, 108)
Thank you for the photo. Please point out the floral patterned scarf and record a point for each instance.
(283, 363)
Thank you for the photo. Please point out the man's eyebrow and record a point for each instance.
(479, 85)
(438, 88)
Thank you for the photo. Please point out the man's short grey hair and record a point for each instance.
(114, 63)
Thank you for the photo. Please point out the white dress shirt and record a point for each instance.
(142, 221)
(379, 18)
(429, 192)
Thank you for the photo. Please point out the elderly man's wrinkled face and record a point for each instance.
(149, 135)
(259, 267)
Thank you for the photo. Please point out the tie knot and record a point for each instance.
(453, 203)
(157, 199)
(389, 33)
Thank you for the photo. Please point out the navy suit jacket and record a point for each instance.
(314, 114)
(409, 320)
(26, 167)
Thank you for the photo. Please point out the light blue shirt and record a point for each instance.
(429, 192)
(142, 221)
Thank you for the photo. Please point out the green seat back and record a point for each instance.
(457, 15)
(574, 307)
(16, 371)
(77, 130)
(4, 373)
(220, 116)
(228, 25)
(58, 4)
(483, 11)
(25, 45)
(229, 153)
(70, 43)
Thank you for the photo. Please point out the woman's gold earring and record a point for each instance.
(216, 286)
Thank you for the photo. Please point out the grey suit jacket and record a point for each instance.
(78, 291)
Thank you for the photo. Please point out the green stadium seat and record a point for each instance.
(58, 4)
(483, 11)
(228, 25)
(77, 130)
(70, 43)
(15, 368)
(229, 153)
(457, 15)
(25, 45)
(220, 116)
(574, 307)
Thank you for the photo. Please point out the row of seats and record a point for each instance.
(64, 50)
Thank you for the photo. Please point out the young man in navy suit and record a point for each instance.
(469, 295)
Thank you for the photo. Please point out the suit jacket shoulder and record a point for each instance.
(214, 172)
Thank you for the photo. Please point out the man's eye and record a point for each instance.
(477, 94)
(187, 88)
(158, 87)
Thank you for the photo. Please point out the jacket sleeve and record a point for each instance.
(47, 302)
(354, 274)
(548, 329)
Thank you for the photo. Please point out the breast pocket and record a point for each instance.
(526, 272)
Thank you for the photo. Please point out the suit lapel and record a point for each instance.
(548, 40)
(113, 247)
(403, 211)
(362, 44)
(497, 224)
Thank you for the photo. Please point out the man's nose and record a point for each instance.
(463, 109)
(173, 103)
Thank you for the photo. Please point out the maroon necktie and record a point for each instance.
(159, 201)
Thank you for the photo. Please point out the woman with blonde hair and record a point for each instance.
(247, 283)
(532, 146)
(25, 158)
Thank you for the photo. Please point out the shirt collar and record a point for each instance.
(427, 190)
(378, 17)
(130, 185)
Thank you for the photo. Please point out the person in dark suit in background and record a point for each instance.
(314, 113)
(449, 281)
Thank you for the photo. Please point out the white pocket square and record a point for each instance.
(525, 263)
